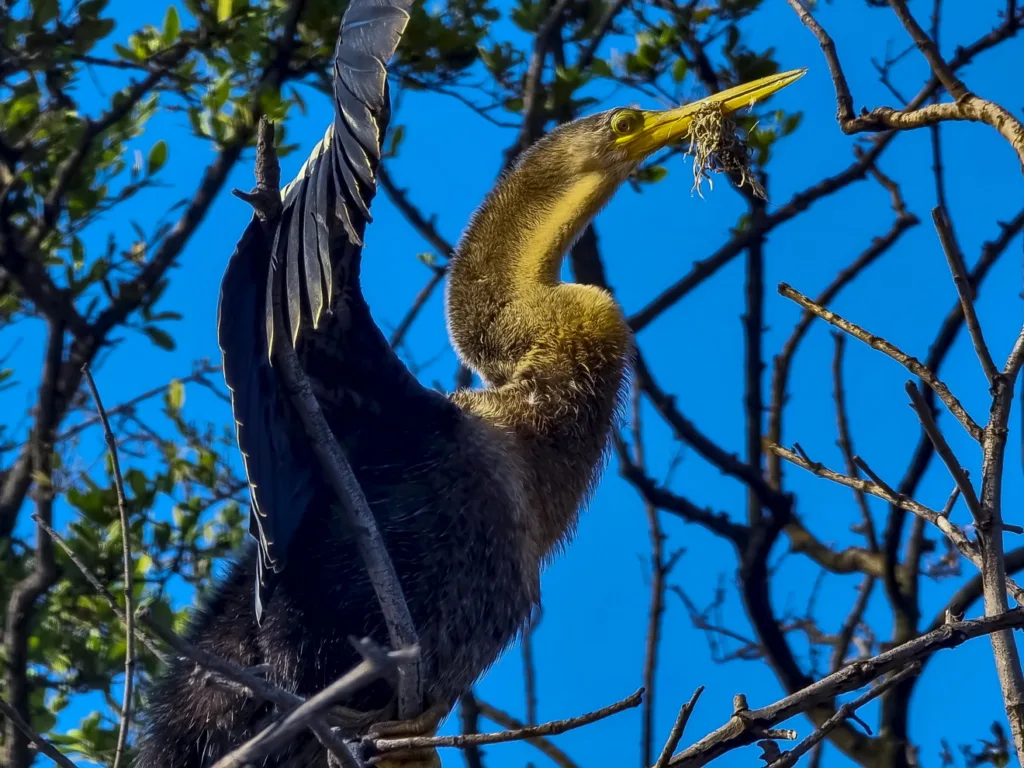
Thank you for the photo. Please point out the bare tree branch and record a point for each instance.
(964, 289)
(542, 743)
(912, 364)
(552, 728)
(790, 757)
(676, 734)
(955, 534)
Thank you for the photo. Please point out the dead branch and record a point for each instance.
(656, 602)
(676, 734)
(542, 743)
(964, 289)
(850, 624)
(845, 441)
(278, 733)
(552, 728)
(912, 364)
(963, 484)
(967, 106)
(953, 532)
(469, 713)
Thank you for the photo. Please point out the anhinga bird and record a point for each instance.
(473, 492)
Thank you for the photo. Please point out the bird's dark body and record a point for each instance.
(442, 490)
(472, 492)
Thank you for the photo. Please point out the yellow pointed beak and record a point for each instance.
(661, 128)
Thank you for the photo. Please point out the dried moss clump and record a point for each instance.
(717, 148)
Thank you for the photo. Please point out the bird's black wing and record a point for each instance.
(326, 205)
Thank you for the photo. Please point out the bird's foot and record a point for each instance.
(425, 724)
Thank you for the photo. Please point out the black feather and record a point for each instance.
(264, 420)
(328, 202)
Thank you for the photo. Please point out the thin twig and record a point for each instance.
(846, 442)
(436, 278)
(126, 553)
(552, 728)
(912, 364)
(853, 619)
(963, 483)
(964, 289)
(470, 715)
(784, 360)
(543, 744)
(676, 734)
(529, 668)
(656, 603)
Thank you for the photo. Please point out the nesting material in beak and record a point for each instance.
(709, 127)
(716, 147)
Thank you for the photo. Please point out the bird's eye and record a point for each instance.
(625, 123)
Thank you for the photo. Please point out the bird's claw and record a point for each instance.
(425, 724)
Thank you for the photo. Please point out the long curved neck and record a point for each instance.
(507, 264)
(554, 354)
(528, 222)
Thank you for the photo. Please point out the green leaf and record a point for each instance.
(679, 70)
(175, 395)
(77, 253)
(397, 134)
(656, 173)
(159, 337)
(172, 25)
(791, 122)
(157, 157)
(44, 10)
(224, 8)
(601, 68)
(137, 482)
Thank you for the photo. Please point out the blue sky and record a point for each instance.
(589, 649)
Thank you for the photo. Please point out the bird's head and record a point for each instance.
(612, 144)
(560, 183)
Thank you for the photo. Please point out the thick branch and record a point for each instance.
(21, 600)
